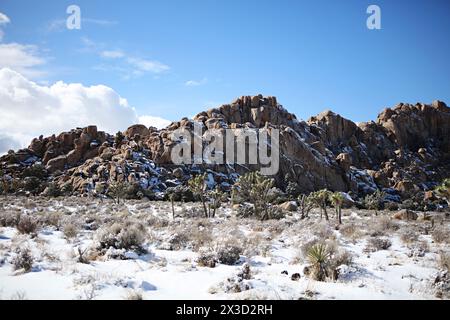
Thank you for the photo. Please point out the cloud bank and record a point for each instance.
(28, 109)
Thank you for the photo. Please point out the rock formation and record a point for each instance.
(406, 150)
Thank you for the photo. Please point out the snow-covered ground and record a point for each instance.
(167, 267)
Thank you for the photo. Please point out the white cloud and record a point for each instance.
(113, 54)
(157, 122)
(24, 59)
(196, 83)
(4, 20)
(28, 109)
(144, 65)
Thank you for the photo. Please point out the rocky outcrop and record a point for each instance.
(405, 151)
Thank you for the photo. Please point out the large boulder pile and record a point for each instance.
(405, 151)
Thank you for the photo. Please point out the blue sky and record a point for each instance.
(175, 58)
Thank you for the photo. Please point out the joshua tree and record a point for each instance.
(373, 201)
(305, 205)
(443, 190)
(319, 198)
(216, 197)
(117, 190)
(198, 187)
(337, 199)
(254, 188)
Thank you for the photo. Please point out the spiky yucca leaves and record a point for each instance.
(320, 198)
(197, 185)
(443, 190)
(337, 199)
(318, 257)
(305, 205)
(374, 201)
(253, 187)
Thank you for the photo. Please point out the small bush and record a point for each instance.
(70, 231)
(229, 254)
(444, 260)
(206, 259)
(409, 236)
(26, 225)
(9, 219)
(23, 260)
(441, 235)
(376, 244)
(120, 236)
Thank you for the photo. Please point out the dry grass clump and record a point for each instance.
(70, 230)
(27, 225)
(441, 235)
(351, 231)
(378, 243)
(409, 236)
(381, 226)
(323, 231)
(206, 258)
(23, 260)
(229, 253)
(128, 236)
(444, 260)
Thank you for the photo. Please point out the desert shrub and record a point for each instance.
(36, 170)
(409, 236)
(444, 260)
(229, 254)
(32, 184)
(443, 190)
(53, 190)
(323, 231)
(441, 235)
(51, 219)
(121, 236)
(391, 206)
(374, 201)
(23, 260)
(350, 230)
(134, 295)
(382, 225)
(70, 230)
(26, 225)
(179, 240)
(9, 219)
(378, 243)
(206, 259)
(410, 204)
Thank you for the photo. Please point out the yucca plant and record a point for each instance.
(443, 190)
(117, 190)
(318, 257)
(337, 199)
(197, 185)
(320, 199)
(305, 205)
